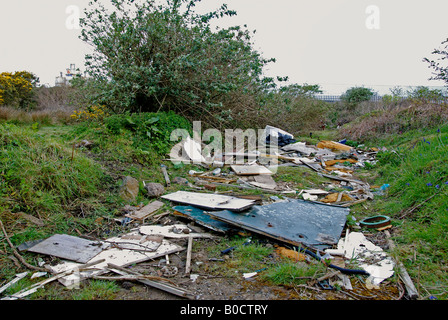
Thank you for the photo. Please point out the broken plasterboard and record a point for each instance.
(294, 221)
(248, 170)
(371, 257)
(114, 255)
(69, 247)
(209, 201)
(261, 181)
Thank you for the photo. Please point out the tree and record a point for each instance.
(150, 57)
(440, 70)
(357, 94)
(17, 89)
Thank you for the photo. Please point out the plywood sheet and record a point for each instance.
(69, 247)
(209, 201)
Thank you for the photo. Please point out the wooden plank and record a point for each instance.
(188, 262)
(152, 283)
(410, 288)
(243, 170)
(332, 145)
(333, 162)
(17, 278)
(69, 247)
(146, 211)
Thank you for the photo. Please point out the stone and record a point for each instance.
(129, 189)
(154, 189)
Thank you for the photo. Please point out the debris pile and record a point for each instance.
(309, 220)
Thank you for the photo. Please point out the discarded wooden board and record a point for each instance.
(337, 197)
(410, 287)
(155, 284)
(146, 211)
(209, 201)
(332, 145)
(202, 218)
(294, 221)
(333, 162)
(32, 219)
(316, 191)
(17, 278)
(243, 170)
(69, 247)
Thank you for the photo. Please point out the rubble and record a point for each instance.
(311, 221)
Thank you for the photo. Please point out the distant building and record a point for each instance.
(64, 79)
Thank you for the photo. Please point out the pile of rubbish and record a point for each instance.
(312, 220)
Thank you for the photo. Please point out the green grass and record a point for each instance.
(416, 167)
(293, 273)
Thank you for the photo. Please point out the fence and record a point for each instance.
(334, 98)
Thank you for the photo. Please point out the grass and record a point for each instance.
(415, 167)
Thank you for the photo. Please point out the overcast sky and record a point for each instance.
(334, 43)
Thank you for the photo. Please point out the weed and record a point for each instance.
(293, 273)
(96, 290)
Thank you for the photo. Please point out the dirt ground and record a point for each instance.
(204, 284)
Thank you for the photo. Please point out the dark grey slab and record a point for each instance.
(294, 221)
(69, 247)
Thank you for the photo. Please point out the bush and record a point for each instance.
(17, 89)
(357, 94)
(166, 57)
(150, 131)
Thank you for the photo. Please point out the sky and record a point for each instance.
(334, 43)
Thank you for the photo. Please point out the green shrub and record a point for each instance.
(167, 57)
(150, 131)
(357, 94)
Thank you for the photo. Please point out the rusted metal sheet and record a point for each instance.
(294, 221)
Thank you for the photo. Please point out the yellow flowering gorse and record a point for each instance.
(90, 113)
(16, 89)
